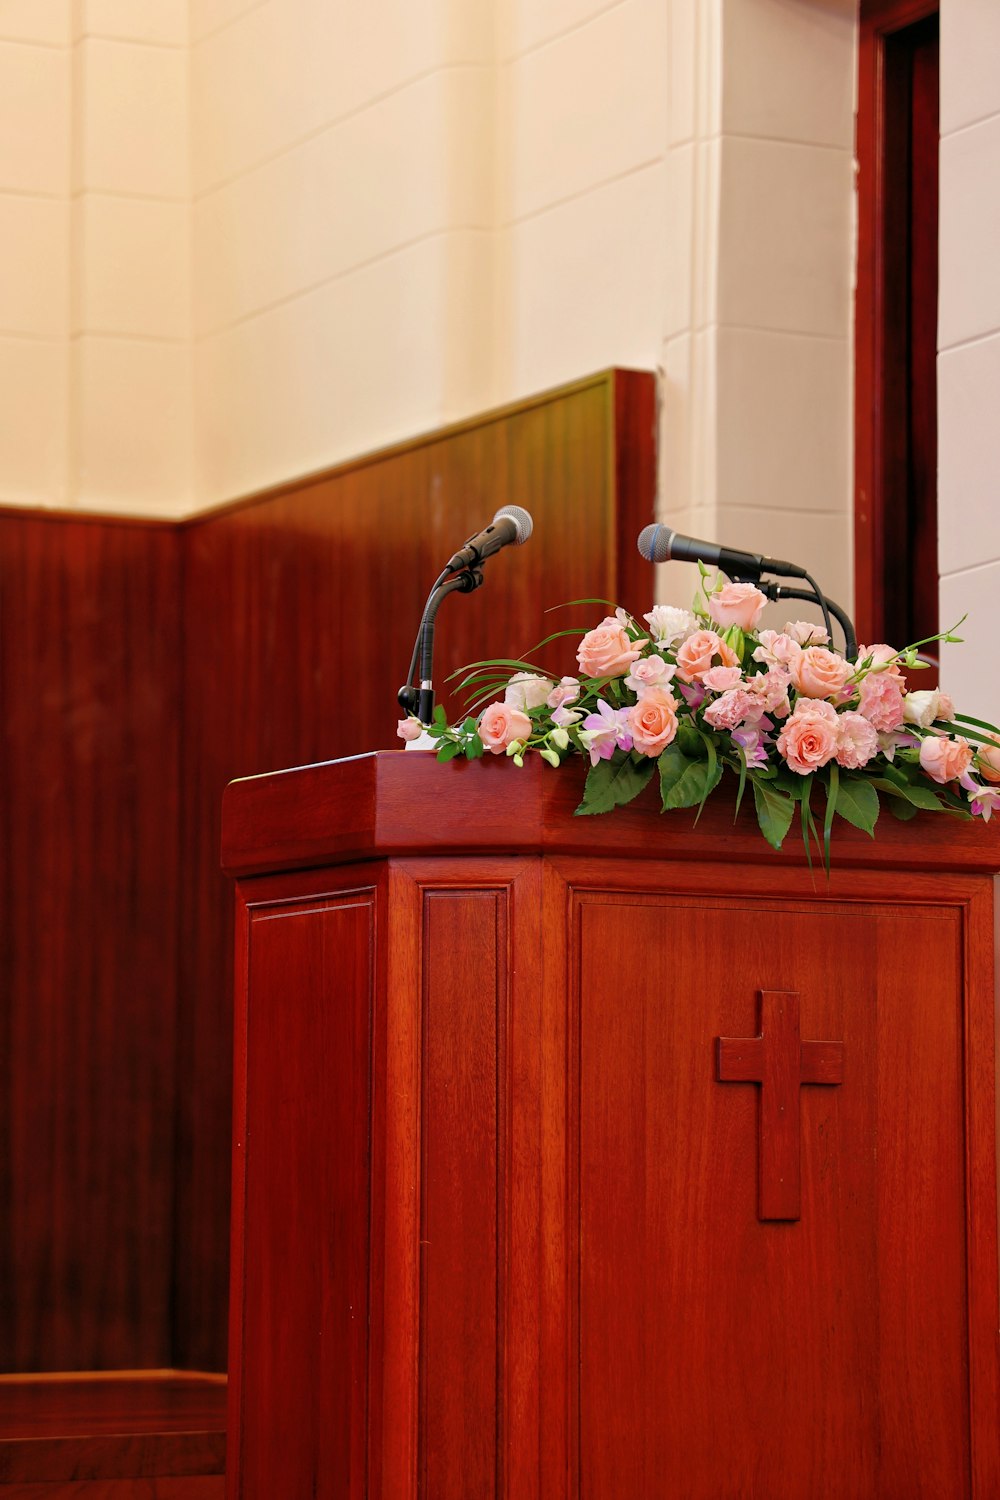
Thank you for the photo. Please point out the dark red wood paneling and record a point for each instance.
(89, 769)
(463, 1189)
(305, 1150)
(743, 1354)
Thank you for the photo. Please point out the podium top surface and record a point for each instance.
(394, 802)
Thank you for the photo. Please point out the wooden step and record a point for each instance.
(115, 1435)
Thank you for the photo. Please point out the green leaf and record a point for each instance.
(920, 796)
(713, 773)
(832, 797)
(612, 783)
(689, 740)
(685, 782)
(743, 780)
(774, 811)
(904, 811)
(449, 750)
(858, 803)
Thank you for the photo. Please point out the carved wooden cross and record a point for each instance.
(780, 1062)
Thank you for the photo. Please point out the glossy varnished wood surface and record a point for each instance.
(89, 766)
(550, 1138)
(144, 1426)
(405, 802)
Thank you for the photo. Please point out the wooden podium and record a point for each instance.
(609, 1158)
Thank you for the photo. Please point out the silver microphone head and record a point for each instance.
(523, 524)
(654, 543)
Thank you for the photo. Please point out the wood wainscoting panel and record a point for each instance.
(830, 1349)
(90, 890)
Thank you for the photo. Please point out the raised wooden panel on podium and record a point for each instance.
(605, 1157)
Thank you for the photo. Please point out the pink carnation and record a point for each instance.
(809, 737)
(771, 688)
(881, 701)
(857, 741)
(776, 649)
(733, 708)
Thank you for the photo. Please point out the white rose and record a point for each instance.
(526, 690)
(670, 626)
(925, 707)
(805, 634)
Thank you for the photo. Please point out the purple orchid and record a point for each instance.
(606, 731)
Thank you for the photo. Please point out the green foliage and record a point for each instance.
(612, 783)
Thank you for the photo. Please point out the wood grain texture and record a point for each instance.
(89, 764)
(187, 1488)
(300, 613)
(648, 1333)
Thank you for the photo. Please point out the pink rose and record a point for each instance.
(737, 604)
(988, 759)
(649, 672)
(608, 651)
(857, 741)
(881, 701)
(501, 725)
(697, 655)
(409, 729)
(884, 657)
(776, 649)
(771, 689)
(805, 633)
(566, 690)
(809, 738)
(819, 673)
(721, 679)
(945, 759)
(653, 721)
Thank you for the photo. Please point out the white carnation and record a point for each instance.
(670, 626)
(526, 690)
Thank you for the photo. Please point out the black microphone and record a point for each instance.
(660, 544)
(511, 524)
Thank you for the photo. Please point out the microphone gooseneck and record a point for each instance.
(511, 526)
(658, 543)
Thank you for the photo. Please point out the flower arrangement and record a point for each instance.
(692, 694)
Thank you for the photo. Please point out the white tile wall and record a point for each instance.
(577, 119)
(286, 69)
(211, 15)
(276, 402)
(133, 425)
(309, 214)
(969, 302)
(819, 543)
(45, 21)
(966, 671)
(34, 259)
(970, 47)
(134, 267)
(33, 415)
(784, 421)
(586, 282)
(969, 454)
(132, 119)
(160, 22)
(526, 24)
(34, 118)
(785, 237)
(789, 71)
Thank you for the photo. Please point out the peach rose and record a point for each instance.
(721, 679)
(608, 650)
(945, 759)
(500, 725)
(653, 721)
(988, 760)
(819, 673)
(737, 604)
(809, 738)
(409, 728)
(698, 653)
(649, 672)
